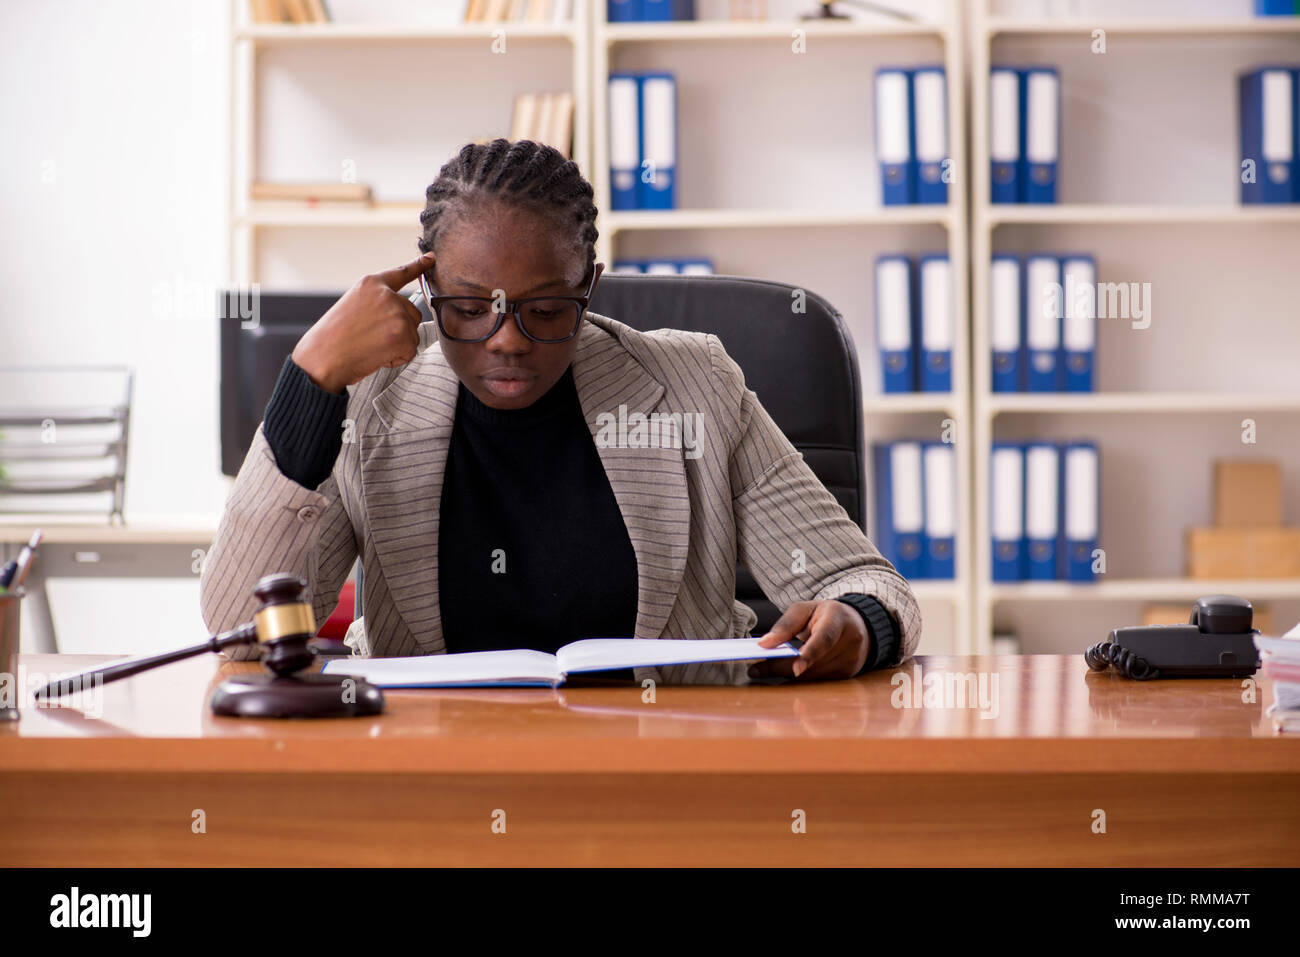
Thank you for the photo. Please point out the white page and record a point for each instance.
(598, 654)
(472, 667)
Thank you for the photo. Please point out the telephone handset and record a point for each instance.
(1218, 642)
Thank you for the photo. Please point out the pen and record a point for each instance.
(16, 570)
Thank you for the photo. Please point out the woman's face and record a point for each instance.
(502, 247)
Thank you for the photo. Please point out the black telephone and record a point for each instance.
(1218, 642)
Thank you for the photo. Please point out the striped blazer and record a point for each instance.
(692, 504)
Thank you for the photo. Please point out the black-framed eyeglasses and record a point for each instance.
(477, 318)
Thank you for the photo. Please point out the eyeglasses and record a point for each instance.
(477, 318)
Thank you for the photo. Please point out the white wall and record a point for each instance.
(113, 236)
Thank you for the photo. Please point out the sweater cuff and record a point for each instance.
(303, 425)
(882, 628)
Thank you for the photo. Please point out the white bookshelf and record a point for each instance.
(374, 91)
(778, 178)
(776, 185)
(1161, 105)
(1157, 27)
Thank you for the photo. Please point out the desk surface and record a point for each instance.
(1047, 713)
(155, 530)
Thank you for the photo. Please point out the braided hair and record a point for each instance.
(523, 174)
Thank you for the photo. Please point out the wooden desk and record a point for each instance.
(1186, 772)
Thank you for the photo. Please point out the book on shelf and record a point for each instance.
(666, 267)
(357, 193)
(1045, 510)
(914, 322)
(289, 11)
(525, 667)
(916, 507)
(643, 130)
(544, 118)
(661, 11)
(1043, 330)
(1024, 133)
(518, 11)
(912, 135)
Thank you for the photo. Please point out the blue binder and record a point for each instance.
(1040, 101)
(624, 139)
(895, 324)
(1042, 510)
(1079, 327)
(658, 142)
(1006, 295)
(939, 479)
(1267, 98)
(625, 11)
(929, 96)
(1081, 485)
(900, 512)
(657, 10)
(1042, 335)
(1007, 510)
(894, 137)
(1275, 8)
(1004, 135)
(695, 267)
(934, 303)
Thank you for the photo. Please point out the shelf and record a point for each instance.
(902, 403)
(936, 590)
(1146, 589)
(1180, 29)
(270, 213)
(726, 30)
(999, 214)
(289, 34)
(924, 215)
(1104, 402)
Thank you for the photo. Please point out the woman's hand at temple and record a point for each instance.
(836, 642)
(370, 327)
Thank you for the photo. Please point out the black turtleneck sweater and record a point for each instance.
(532, 548)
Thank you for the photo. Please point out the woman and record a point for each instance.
(489, 509)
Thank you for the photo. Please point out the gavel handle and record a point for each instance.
(245, 634)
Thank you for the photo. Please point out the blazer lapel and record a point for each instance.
(649, 484)
(404, 459)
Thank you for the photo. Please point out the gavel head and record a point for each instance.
(285, 623)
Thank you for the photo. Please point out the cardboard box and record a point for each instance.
(1243, 553)
(1172, 614)
(1247, 493)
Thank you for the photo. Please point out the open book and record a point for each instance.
(529, 668)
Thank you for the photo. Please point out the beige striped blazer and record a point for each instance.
(740, 490)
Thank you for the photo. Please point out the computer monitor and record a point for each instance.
(254, 345)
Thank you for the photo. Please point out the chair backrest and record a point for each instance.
(797, 356)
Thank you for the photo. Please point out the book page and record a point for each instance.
(598, 654)
(520, 667)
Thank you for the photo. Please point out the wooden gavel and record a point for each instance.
(283, 626)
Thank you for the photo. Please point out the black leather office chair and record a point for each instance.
(796, 354)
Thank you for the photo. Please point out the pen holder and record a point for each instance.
(10, 616)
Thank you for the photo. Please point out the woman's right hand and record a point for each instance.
(372, 326)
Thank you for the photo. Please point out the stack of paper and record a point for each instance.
(1280, 660)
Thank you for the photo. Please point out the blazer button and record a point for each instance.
(307, 513)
